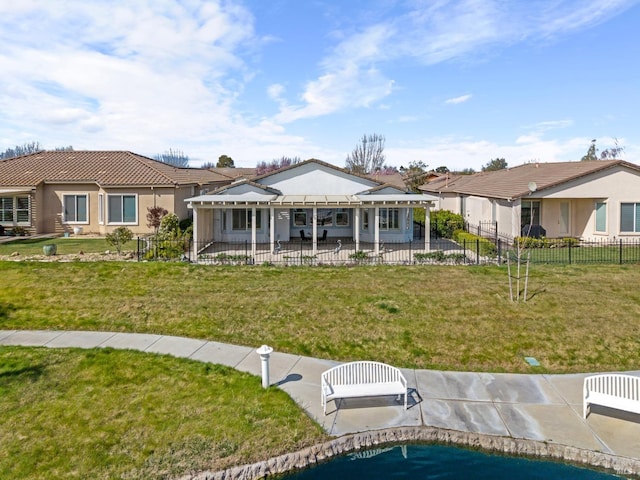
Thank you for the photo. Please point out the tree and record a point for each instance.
(495, 164)
(119, 237)
(414, 175)
(367, 156)
(29, 148)
(613, 152)
(177, 158)
(465, 171)
(442, 169)
(155, 216)
(591, 152)
(276, 164)
(224, 161)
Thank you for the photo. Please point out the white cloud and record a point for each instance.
(459, 153)
(354, 74)
(457, 100)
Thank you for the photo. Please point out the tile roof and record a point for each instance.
(511, 183)
(106, 168)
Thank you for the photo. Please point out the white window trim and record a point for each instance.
(75, 222)
(388, 228)
(122, 195)
(15, 221)
(100, 209)
(628, 232)
(606, 219)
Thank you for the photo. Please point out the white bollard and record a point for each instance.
(264, 351)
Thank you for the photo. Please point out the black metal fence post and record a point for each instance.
(477, 251)
(569, 253)
(620, 251)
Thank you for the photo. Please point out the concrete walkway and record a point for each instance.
(546, 408)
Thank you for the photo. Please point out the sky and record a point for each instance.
(451, 83)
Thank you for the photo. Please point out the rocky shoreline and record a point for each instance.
(307, 457)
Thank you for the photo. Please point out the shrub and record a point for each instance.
(170, 224)
(119, 237)
(185, 224)
(444, 223)
(486, 247)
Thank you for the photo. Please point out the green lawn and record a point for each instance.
(119, 414)
(102, 414)
(579, 318)
(65, 245)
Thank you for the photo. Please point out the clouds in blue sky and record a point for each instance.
(258, 80)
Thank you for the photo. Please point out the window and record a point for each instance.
(241, 219)
(630, 217)
(530, 212)
(325, 217)
(342, 217)
(365, 219)
(601, 217)
(299, 217)
(6, 209)
(389, 218)
(122, 209)
(75, 208)
(15, 210)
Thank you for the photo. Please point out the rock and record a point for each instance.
(15, 254)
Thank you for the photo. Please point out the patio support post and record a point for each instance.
(195, 235)
(376, 231)
(272, 229)
(427, 229)
(356, 233)
(314, 233)
(253, 232)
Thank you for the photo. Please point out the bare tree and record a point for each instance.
(177, 158)
(368, 155)
(276, 164)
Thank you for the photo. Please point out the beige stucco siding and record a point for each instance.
(49, 202)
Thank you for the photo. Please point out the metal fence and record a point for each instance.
(343, 251)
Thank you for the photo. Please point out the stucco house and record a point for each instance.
(97, 191)
(306, 200)
(587, 199)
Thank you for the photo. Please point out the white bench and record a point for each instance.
(612, 390)
(362, 379)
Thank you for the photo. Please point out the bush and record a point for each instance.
(486, 247)
(444, 223)
(185, 224)
(439, 256)
(119, 237)
(170, 224)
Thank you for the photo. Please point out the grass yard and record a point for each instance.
(65, 245)
(578, 319)
(102, 414)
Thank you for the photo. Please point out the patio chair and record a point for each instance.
(303, 237)
(323, 238)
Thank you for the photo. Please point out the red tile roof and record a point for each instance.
(106, 168)
(511, 183)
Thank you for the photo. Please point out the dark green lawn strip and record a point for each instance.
(104, 414)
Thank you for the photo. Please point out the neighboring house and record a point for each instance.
(57, 191)
(311, 196)
(588, 199)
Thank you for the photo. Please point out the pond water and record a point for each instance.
(419, 462)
